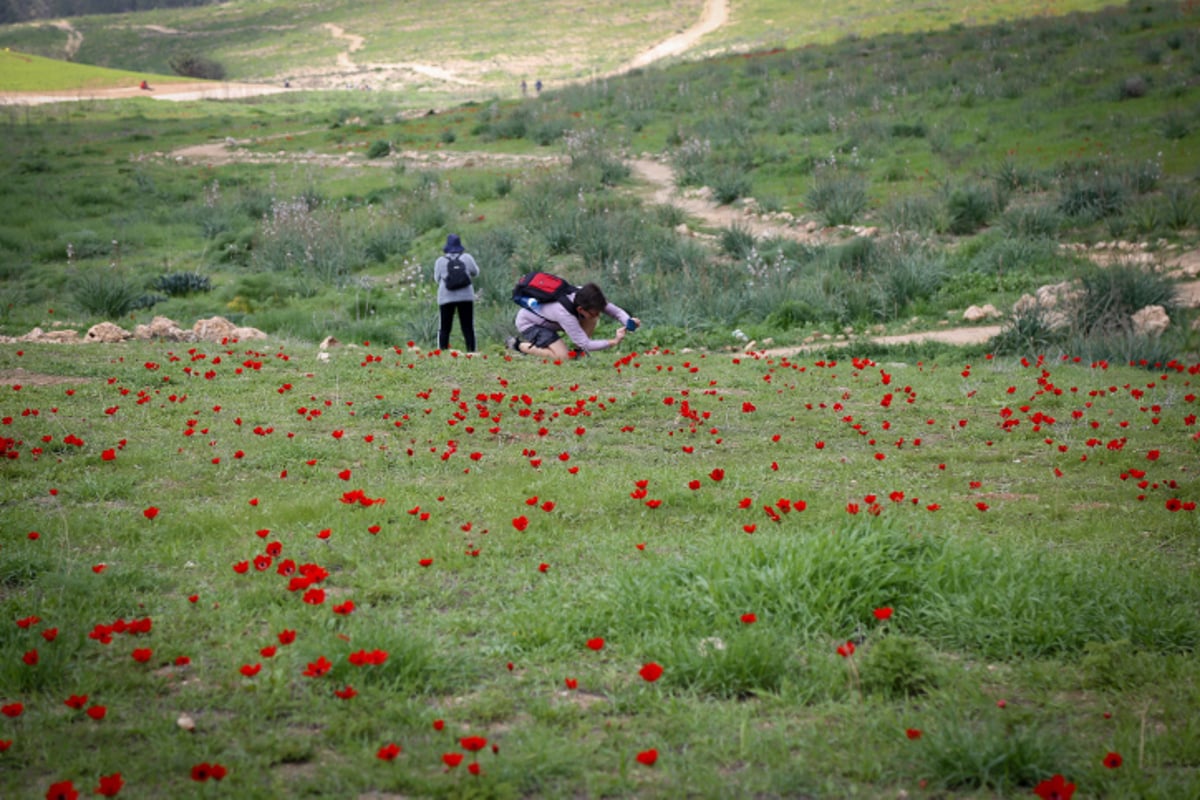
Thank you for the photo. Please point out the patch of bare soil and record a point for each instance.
(23, 377)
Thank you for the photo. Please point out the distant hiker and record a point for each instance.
(145, 86)
(454, 271)
(575, 314)
(524, 89)
(538, 86)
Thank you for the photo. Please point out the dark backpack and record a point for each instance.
(541, 288)
(457, 276)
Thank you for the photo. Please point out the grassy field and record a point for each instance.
(26, 73)
(242, 569)
(490, 46)
(858, 577)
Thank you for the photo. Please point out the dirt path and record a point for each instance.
(713, 16)
(74, 38)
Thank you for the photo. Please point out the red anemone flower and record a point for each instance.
(647, 757)
(1055, 788)
(651, 672)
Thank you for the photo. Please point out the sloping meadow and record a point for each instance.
(242, 570)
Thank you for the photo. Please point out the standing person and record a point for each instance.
(454, 271)
(576, 317)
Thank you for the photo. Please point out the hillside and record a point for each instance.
(407, 47)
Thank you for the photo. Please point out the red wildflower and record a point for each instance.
(647, 757)
(26, 622)
(142, 654)
(1055, 788)
(883, 613)
(595, 643)
(30, 657)
(250, 670)
(846, 650)
(49, 634)
(344, 608)
(749, 619)
(97, 712)
(452, 760)
(425, 562)
(150, 513)
(63, 790)
(110, 785)
(912, 733)
(521, 522)
(287, 636)
(472, 744)
(1113, 760)
(572, 683)
(318, 668)
(388, 752)
(439, 724)
(651, 672)
(76, 701)
(474, 768)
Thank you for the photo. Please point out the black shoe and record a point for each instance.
(513, 343)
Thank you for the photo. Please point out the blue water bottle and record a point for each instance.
(530, 303)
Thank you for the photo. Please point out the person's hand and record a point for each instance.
(620, 335)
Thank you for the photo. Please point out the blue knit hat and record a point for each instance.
(453, 244)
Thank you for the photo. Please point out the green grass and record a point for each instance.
(1070, 597)
(20, 72)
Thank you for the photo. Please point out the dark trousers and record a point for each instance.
(466, 319)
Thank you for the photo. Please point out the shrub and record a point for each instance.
(1110, 295)
(914, 213)
(1092, 196)
(737, 241)
(970, 207)
(379, 149)
(1133, 87)
(190, 65)
(729, 182)
(1035, 221)
(1027, 333)
(898, 667)
(181, 284)
(104, 293)
(837, 196)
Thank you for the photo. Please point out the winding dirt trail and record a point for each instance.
(713, 16)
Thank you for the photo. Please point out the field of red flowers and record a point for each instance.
(241, 571)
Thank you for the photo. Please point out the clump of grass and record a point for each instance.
(838, 196)
(182, 284)
(105, 293)
(985, 752)
(898, 666)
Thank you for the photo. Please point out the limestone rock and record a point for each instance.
(165, 329)
(214, 329)
(981, 313)
(248, 334)
(1150, 321)
(107, 332)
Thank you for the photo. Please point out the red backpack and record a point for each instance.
(535, 288)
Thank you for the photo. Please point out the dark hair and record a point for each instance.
(590, 298)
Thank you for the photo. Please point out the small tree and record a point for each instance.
(190, 65)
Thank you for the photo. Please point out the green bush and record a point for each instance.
(838, 196)
(1110, 295)
(898, 667)
(181, 284)
(379, 149)
(985, 752)
(107, 294)
(970, 208)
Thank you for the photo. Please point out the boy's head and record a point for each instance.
(590, 298)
